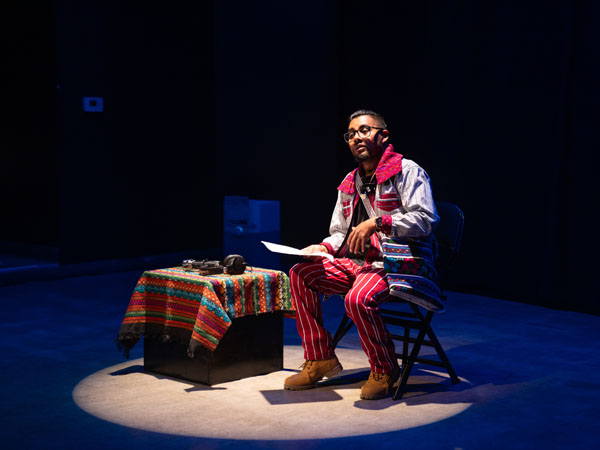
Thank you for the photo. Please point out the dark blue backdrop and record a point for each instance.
(498, 101)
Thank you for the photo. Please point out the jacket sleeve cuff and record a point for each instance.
(386, 225)
(329, 247)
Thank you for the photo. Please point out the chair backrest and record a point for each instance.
(448, 234)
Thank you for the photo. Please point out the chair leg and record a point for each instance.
(411, 361)
(442, 355)
(405, 344)
(342, 329)
(436, 344)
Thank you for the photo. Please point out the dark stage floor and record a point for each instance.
(531, 371)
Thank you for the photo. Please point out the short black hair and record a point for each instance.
(367, 112)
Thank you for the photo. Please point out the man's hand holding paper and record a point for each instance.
(313, 252)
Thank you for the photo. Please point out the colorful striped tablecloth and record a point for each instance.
(182, 306)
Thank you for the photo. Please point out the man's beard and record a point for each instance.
(363, 156)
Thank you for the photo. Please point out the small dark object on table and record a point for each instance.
(204, 267)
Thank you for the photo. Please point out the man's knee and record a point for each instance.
(354, 302)
(298, 269)
(306, 272)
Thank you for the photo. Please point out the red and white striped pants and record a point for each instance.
(365, 288)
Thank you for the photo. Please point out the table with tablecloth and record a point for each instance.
(179, 305)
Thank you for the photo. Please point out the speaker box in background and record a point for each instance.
(246, 222)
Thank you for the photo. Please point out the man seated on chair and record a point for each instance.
(399, 192)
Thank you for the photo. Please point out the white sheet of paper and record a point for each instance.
(278, 248)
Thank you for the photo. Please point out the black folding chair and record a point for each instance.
(448, 235)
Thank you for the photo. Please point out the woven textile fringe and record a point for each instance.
(185, 307)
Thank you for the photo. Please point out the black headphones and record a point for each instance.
(234, 265)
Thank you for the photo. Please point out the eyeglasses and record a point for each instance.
(363, 131)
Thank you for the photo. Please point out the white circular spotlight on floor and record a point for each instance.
(259, 408)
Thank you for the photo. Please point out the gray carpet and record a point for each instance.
(260, 408)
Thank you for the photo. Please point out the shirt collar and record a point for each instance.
(389, 165)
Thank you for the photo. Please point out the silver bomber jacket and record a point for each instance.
(403, 192)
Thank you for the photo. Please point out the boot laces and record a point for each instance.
(378, 376)
(306, 364)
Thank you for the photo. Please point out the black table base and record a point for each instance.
(253, 345)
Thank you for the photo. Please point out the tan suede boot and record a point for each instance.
(379, 385)
(312, 371)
